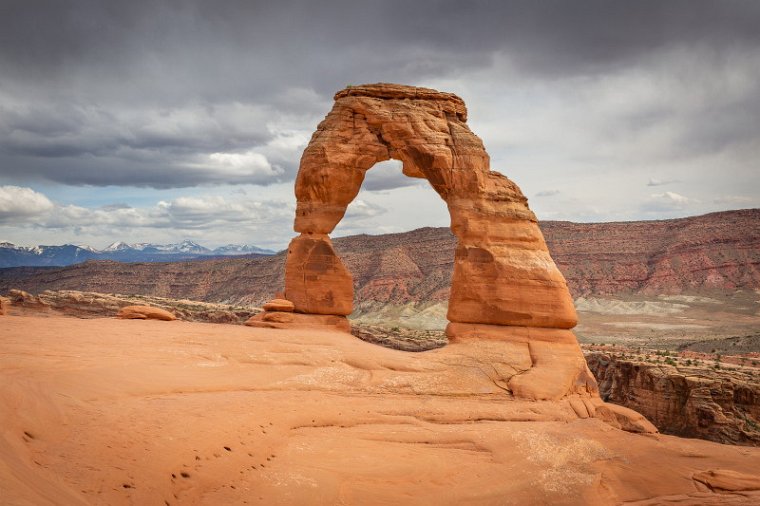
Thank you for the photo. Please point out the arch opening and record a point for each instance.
(401, 277)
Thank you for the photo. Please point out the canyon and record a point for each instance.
(704, 397)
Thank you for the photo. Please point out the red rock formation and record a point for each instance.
(279, 305)
(507, 295)
(289, 320)
(503, 274)
(144, 313)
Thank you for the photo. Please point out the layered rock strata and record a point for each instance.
(97, 305)
(721, 405)
(503, 273)
(505, 285)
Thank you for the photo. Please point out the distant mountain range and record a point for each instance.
(69, 254)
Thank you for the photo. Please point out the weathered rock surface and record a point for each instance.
(279, 305)
(144, 313)
(503, 273)
(290, 320)
(94, 412)
(721, 405)
(316, 281)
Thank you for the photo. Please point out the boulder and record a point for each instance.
(278, 304)
(281, 320)
(144, 313)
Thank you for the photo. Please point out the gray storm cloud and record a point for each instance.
(588, 105)
(93, 90)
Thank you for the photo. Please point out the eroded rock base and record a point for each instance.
(288, 320)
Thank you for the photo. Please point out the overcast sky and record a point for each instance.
(160, 121)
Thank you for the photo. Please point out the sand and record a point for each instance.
(107, 411)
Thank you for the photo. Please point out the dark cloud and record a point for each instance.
(144, 92)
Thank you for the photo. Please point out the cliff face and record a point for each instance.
(719, 251)
(691, 401)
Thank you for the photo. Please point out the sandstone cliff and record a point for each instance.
(698, 401)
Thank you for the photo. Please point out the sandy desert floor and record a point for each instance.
(105, 411)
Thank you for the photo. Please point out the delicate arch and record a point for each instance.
(503, 273)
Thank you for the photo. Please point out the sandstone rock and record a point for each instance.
(623, 418)
(509, 306)
(144, 313)
(280, 320)
(279, 305)
(26, 299)
(728, 480)
(316, 281)
(4, 303)
(552, 364)
(503, 273)
(277, 317)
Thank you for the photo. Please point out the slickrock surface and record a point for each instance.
(701, 401)
(503, 273)
(714, 252)
(141, 412)
(144, 313)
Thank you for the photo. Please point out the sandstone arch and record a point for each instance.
(503, 273)
(510, 310)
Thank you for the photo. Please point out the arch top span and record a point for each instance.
(503, 273)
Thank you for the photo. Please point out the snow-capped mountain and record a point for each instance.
(241, 249)
(120, 251)
(117, 246)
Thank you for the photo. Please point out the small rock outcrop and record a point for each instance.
(279, 304)
(144, 313)
(279, 313)
(98, 305)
